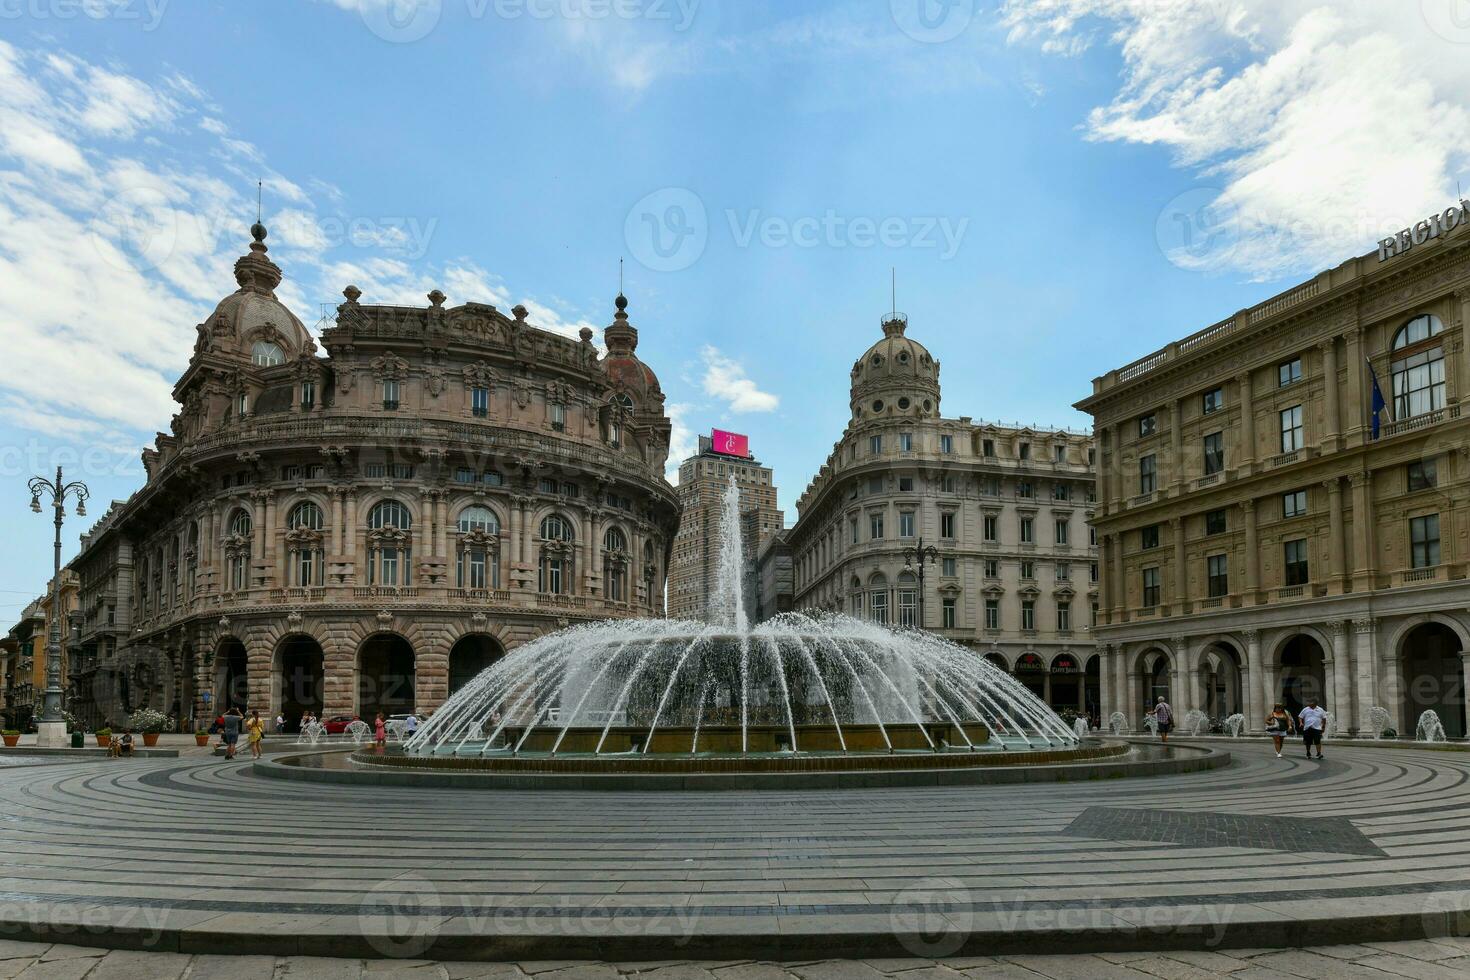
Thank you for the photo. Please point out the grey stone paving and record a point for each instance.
(1281, 832)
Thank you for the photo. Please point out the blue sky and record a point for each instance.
(1061, 185)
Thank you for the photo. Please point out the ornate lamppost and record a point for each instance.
(51, 728)
(920, 556)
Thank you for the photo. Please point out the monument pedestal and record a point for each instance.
(52, 735)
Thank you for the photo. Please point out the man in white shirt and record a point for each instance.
(1164, 717)
(1313, 723)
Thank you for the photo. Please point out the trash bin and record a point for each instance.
(78, 739)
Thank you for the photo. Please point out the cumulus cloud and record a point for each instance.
(682, 442)
(1311, 129)
(726, 380)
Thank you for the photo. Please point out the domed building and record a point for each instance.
(365, 525)
(1007, 567)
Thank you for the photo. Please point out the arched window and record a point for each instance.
(615, 565)
(479, 552)
(191, 559)
(237, 551)
(908, 600)
(240, 524)
(390, 513)
(1418, 368)
(555, 568)
(266, 354)
(306, 516)
(390, 555)
(878, 598)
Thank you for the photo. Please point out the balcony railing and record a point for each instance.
(1424, 421)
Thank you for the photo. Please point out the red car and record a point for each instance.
(337, 725)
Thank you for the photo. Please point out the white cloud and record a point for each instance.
(726, 380)
(682, 442)
(1314, 128)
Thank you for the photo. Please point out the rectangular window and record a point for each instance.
(1092, 572)
(1064, 571)
(875, 526)
(1418, 383)
(1147, 425)
(1424, 541)
(491, 478)
(1063, 526)
(878, 605)
(946, 444)
(875, 484)
(308, 395)
(853, 525)
(480, 402)
(558, 417)
(466, 475)
(306, 566)
(1023, 489)
(1296, 561)
(1060, 453)
(948, 622)
(948, 567)
(1289, 372)
(1064, 617)
(1423, 475)
(990, 486)
(1028, 569)
(992, 568)
(1212, 400)
(1214, 446)
(1148, 537)
(987, 448)
(992, 614)
(906, 442)
(547, 485)
(1060, 491)
(906, 524)
(1291, 429)
(949, 484)
(946, 525)
(991, 526)
(1148, 474)
(1215, 522)
(906, 484)
(1028, 530)
(875, 445)
(390, 395)
(1024, 450)
(1217, 572)
(1028, 614)
(1151, 586)
(1294, 504)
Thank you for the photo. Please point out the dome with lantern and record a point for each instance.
(896, 377)
(251, 320)
(625, 372)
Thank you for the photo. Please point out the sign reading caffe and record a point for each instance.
(1422, 231)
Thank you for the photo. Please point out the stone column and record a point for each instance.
(513, 530)
(1252, 551)
(431, 677)
(1247, 421)
(335, 532)
(349, 532)
(441, 546)
(1364, 572)
(1132, 710)
(1115, 469)
(1187, 691)
(1357, 401)
(1337, 534)
(1257, 696)
(1332, 436)
(1340, 682)
(1463, 295)
(1120, 584)
(1181, 572)
(1176, 446)
(1046, 686)
(1366, 657)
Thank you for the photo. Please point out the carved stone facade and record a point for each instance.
(363, 531)
(1261, 541)
(1006, 508)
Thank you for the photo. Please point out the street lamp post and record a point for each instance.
(51, 728)
(920, 556)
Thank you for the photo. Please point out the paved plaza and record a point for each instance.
(199, 855)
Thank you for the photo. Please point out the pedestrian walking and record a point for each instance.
(1164, 718)
(254, 731)
(280, 723)
(1279, 725)
(230, 725)
(1313, 721)
(410, 725)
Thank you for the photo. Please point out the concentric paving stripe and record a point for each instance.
(205, 856)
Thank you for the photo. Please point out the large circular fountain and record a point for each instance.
(627, 695)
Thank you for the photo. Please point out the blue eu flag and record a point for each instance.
(1380, 405)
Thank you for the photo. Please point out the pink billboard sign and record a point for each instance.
(730, 443)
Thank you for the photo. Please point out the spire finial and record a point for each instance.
(893, 288)
(259, 196)
(257, 230)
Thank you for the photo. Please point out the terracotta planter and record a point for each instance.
(11, 741)
(201, 740)
(150, 739)
(103, 741)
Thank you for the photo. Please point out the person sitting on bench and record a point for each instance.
(124, 745)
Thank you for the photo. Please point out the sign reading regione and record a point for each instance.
(730, 443)
(1422, 231)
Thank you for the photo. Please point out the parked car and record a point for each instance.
(337, 724)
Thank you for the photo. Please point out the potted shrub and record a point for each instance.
(150, 723)
(104, 737)
(201, 738)
(11, 736)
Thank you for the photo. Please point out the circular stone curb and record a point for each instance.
(1191, 759)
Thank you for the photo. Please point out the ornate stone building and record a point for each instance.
(1263, 538)
(1006, 508)
(365, 531)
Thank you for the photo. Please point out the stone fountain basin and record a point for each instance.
(759, 739)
